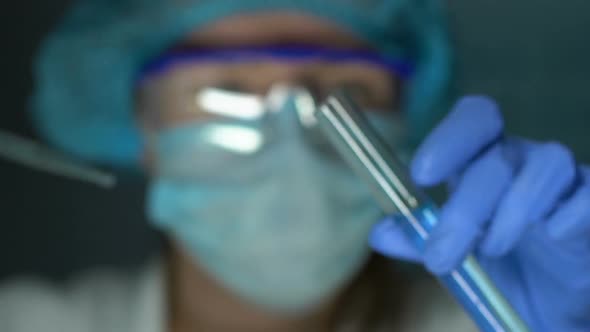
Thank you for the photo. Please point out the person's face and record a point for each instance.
(168, 99)
(287, 203)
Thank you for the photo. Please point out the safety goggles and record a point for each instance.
(208, 84)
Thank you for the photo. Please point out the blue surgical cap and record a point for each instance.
(86, 69)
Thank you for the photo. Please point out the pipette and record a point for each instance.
(33, 155)
(349, 131)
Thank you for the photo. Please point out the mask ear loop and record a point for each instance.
(33, 155)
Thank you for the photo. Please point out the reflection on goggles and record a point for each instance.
(247, 106)
(234, 138)
(231, 104)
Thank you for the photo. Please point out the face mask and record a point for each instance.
(264, 206)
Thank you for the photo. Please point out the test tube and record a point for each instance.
(349, 131)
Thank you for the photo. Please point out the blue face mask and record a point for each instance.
(264, 206)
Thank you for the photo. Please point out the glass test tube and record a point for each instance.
(348, 130)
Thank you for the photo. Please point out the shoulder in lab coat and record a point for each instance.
(96, 302)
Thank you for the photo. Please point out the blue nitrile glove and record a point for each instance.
(522, 207)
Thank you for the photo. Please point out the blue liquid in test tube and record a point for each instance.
(390, 183)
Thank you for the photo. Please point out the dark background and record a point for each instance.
(532, 55)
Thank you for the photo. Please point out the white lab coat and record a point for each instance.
(135, 302)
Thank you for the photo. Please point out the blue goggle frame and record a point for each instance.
(399, 67)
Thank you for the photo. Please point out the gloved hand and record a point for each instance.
(522, 207)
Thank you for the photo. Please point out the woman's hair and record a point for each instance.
(374, 300)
